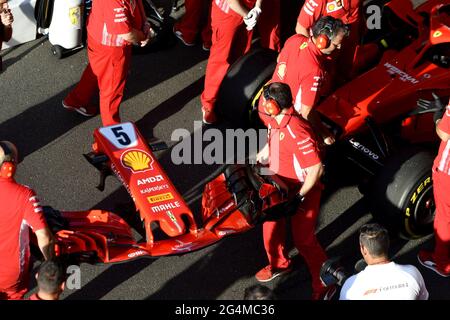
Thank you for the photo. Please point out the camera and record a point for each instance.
(332, 272)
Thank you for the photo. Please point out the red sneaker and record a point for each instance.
(209, 117)
(267, 274)
(87, 111)
(426, 259)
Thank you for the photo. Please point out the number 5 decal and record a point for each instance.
(122, 136)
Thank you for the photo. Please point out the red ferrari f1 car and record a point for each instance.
(382, 118)
(233, 202)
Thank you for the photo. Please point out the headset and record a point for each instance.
(8, 165)
(323, 40)
(271, 106)
(328, 32)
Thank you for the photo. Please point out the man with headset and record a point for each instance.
(19, 210)
(292, 154)
(349, 11)
(301, 66)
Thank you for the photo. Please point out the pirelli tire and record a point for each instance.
(241, 84)
(401, 195)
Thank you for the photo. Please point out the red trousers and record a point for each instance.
(197, 17)
(303, 225)
(441, 187)
(231, 40)
(106, 73)
(269, 24)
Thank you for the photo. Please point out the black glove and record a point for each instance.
(436, 106)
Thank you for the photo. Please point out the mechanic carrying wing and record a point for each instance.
(232, 22)
(197, 17)
(349, 11)
(382, 279)
(439, 259)
(19, 210)
(293, 155)
(301, 66)
(112, 27)
(6, 20)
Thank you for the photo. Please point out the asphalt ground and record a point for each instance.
(162, 95)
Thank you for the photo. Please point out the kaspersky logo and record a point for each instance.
(137, 160)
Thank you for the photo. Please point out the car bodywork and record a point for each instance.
(232, 203)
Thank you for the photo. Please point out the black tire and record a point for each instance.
(241, 83)
(402, 194)
(57, 51)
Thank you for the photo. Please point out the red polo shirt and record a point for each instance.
(312, 10)
(442, 161)
(109, 18)
(225, 7)
(300, 66)
(292, 147)
(20, 209)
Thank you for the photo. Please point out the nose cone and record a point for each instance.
(173, 226)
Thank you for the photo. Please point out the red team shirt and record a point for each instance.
(300, 66)
(312, 10)
(292, 147)
(225, 7)
(20, 210)
(116, 17)
(442, 161)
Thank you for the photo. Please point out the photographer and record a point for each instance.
(382, 279)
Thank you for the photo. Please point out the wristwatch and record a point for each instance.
(300, 197)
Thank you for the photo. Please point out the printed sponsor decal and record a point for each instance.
(281, 136)
(182, 246)
(137, 160)
(150, 180)
(166, 206)
(119, 176)
(136, 254)
(304, 45)
(122, 136)
(359, 146)
(437, 34)
(160, 197)
(403, 76)
(334, 6)
(154, 189)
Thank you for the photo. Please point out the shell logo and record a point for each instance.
(331, 7)
(137, 160)
(437, 34)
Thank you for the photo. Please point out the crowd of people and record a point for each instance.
(309, 66)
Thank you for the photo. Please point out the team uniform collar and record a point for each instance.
(288, 114)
